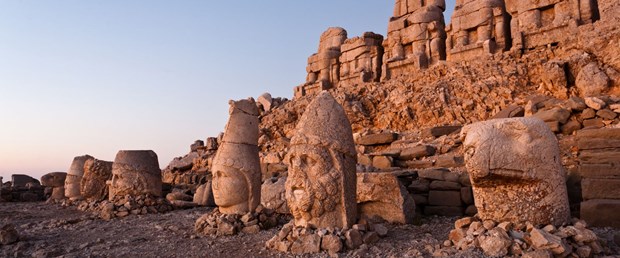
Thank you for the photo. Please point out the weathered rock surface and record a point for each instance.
(74, 177)
(273, 195)
(134, 173)
(96, 174)
(516, 171)
(382, 195)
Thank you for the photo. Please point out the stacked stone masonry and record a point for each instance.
(599, 167)
(417, 37)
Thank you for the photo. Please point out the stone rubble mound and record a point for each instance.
(220, 224)
(303, 240)
(525, 239)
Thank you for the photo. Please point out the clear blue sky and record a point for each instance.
(95, 77)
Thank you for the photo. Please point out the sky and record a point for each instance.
(95, 77)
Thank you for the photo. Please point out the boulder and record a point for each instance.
(273, 195)
(591, 80)
(382, 195)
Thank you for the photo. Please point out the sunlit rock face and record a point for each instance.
(321, 187)
(236, 168)
(516, 171)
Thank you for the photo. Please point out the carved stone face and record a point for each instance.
(312, 185)
(128, 182)
(230, 188)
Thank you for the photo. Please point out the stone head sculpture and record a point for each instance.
(516, 171)
(74, 177)
(96, 174)
(321, 186)
(135, 172)
(236, 166)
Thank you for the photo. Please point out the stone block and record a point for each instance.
(440, 131)
(606, 114)
(445, 185)
(449, 161)
(434, 174)
(555, 114)
(377, 139)
(415, 163)
(445, 198)
(510, 111)
(443, 211)
(598, 138)
(600, 170)
(382, 194)
(418, 151)
(601, 212)
(467, 195)
(570, 127)
(600, 188)
(420, 199)
(419, 186)
(273, 195)
(382, 162)
(54, 179)
(18, 180)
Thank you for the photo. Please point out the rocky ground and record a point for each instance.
(49, 231)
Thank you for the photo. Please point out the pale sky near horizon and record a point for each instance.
(95, 77)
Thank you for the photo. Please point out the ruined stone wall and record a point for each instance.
(361, 59)
(415, 38)
(478, 28)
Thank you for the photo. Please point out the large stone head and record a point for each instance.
(320, 189)
(236, 166)
(135, 172)
(74, 177)
(516, 171)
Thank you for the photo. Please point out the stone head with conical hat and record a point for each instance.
(236, 166)
(321, 186)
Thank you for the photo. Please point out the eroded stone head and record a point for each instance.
(135, 172)
(321, 186)
(74, 177)
(236, 166)
(516, 172)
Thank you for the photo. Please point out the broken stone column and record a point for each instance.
(134, 173)
(74, 177)
(321, 187)
(55, 180)
(236, 166)
(516, 171)
(96, 174)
